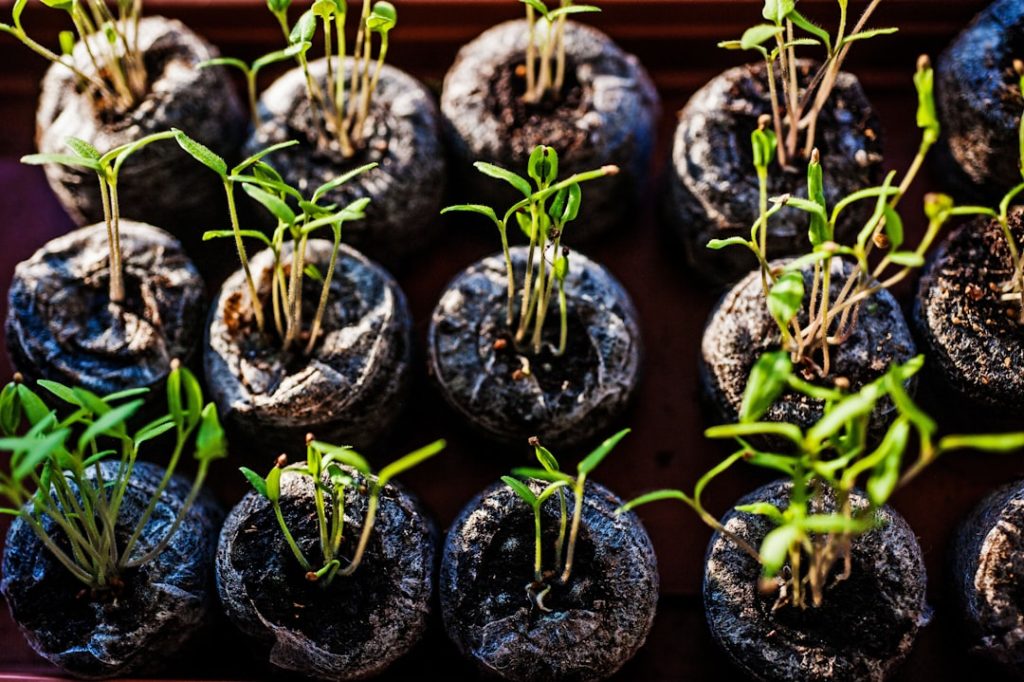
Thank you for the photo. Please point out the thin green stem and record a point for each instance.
(257, 308)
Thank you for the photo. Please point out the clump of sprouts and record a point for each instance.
(545, 49)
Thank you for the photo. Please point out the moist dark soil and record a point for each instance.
(596, 622)
(980, 102)
(160, 184)
(714, 191)
(349, 390)
(402, 135)
(62, 326)
(865, 627)
(740, 329)
(606, 113)
(512, 393)
(354, 627)
(974, 341)
(988, 563)
(145, 622)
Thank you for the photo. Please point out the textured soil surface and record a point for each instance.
(864, 628)
(162, 604)
(713, 191)
(160, 184)
(988, 559)
(402, 135)
(741, 329)
(563, 400)
(973, 340)
(62, 326)
(348, 391)
(606, 114)
(596, 622)
(356, 626)
(979, 98)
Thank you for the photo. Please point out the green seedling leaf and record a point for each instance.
(38, 452)
(718, 244)
(835, 523)
(867, 35)
(409, 461)
(525, 223)
(768, 378)
(550, 490)
(32, 406)
(812, 28)
(304, 29)
(93, 403)
(275, 205)
(224, 234)
(775, 548)
(561, 268)
(193, 396)
(201, 153)
(83, 149)
(907, 259)
(542, 474)
(762, 509)
(331, 185)
(273, 485)
(154, 430)
(10, 409)
(16, 10)
(110, 424)
(519, 182)
(591, 461)
(473, 208)
(260, 155)
(756, 36)
(888, 458)
(211, 443)
(845, 411)
(278, 6)
(225, 61)
(572, 9)
(655, 496)
(573, 203)
(313, 272)
(537, 5)
(763, 144)
(786, 297)
(383, 17)
(746, 429)
(61, 391)
(543, 165)
(893, 227)
(521, 489)
(546, 459)
(1003, 442)
(98, 457)
(61, 160)
(777, 11)
(126, 393)
(819, 231)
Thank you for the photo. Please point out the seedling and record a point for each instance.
(55, 469)
(117, 77)
(542, 215)
(340, 109)
(777, 42)
(545, 73)
(561, 573)
(107, 168)
(330, 468)
(309, 216)
(828, 322)
(826, 464)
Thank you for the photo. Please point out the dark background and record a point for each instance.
(675, 39)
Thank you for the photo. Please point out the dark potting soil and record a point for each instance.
(132, 630)
(563, 400)
(62, 326)
(605, 114)
(714, 191)
(159, 184)
(973, 340)
(348, 391)
(402, 135)
(979, 99)
(740, 329)
(356, 626)
(988, 572)
(596, 622)
(865, 627)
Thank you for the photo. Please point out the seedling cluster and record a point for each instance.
(330, 468)
(828, 321)
(777, 43)
(545, 47)
(542, 215)
(558, 482)
(56, 470)
(826, 464)
(295, 225)
(117, 77)
(341, 107)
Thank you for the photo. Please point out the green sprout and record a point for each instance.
(341, 108)
(334, 470)
(776, 41)
(557, 482)
(542, 215)
(826, 464)
(829, 322)
(107, 168)
(55, 469)
(548, 34)
(111, 42)
(295, 224)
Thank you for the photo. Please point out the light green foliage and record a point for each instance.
(543, 215)
(330, 469)
(545, 49)
(56, 473)
(825, 465)
(568, 533)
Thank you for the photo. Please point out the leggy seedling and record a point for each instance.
(329, 466)
(825, 464)
(267, 187)
(107, 168)
(557, 482)
(829, 322)
(542, 215)
(51, 462)
(798, 110)
(341, 108)
(546, 72)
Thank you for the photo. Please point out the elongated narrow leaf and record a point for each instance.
(767, 380)
(572, 9)
(473, 208)
(542, 474)
(201, 153)
(83, 149)
(225, 61)
(273, 484)
(211, 443)
(304, 28)
(717, 244)
(852, 407)
(109, 424)
(61, 391)
(490, 170)
(776, 11)
(758, 35)
(260, 155)
(546, 459)
(655, 496)
(255, 480)
(762, 509)
(775, 548)
(229, 234)
(872, 33)
(277, 206)
(787, 431)
(907, 259)
(409, 461)
(786, 297)
(37, 453)
(521, 489)
(812, 28)
(342, 179)
(1002, 442)
(537, 5)
(591, 461)
(62, 160)
(33, 407)
(550, 490)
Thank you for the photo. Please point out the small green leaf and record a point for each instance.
(521, 489)
(277, 206)
(591, 461)
(767, 380)
(37, 452)
(542, 474)
(758, 35)
(260, 155)
(126, 393)
(777, 11)
(32, 405)
(383, 17)
(561, 268)
(304, 29)
(812, 28)
(474, 208)
(775, 548)
(550, 490)
(211, 443)
(273, 482)
(762, 509)
(717, 244)
(537, 5)
(331, 185)
(500, 173)
(786, 297)
(110, 424)
(255, 480)
(1002, 442)
(819, 231)
(149, 432)
(62, 160)
(907, 259)
(866, 35)
(409, 461)
(61, 391)
(743, 430)
(572, 9)
(763, 144)
(543, 165)
(573, 203)
(546, 459)
(222, 234)
(655, 496)
(313, 272)
(201, 153)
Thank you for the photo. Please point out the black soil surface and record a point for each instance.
(597, 621)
